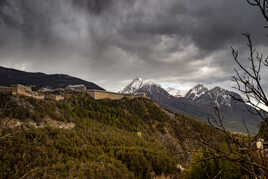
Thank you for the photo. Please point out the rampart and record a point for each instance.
(7, 90)
(76, 88)
(54, 97)
(21, 90)
(99, 94)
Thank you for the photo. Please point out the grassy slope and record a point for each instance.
(112, 139)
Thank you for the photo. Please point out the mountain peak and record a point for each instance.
(132, 87)
(223, 96)
(196, 92)
(217, 88)
(150, 88)
(217, 96)
(150, 83)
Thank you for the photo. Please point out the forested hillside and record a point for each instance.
(109, 139)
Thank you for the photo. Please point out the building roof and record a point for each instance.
(76, 86)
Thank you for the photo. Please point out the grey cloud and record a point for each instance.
(116, 40)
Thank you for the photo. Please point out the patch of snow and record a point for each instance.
(149, 86)
(196, 92)
(222, 96)
(132, 87)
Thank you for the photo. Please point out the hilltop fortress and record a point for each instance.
(61, 93)
(99, 94)
(21, 90)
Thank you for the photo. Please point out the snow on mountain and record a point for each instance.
(132, 87)
(221, 97)
(152, 88)
(196, 92)
(217, 96)
(138, 83)
(199, 94)
(199, 103)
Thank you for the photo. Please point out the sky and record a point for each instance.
(176, 43)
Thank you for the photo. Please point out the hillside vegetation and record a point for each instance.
(111, 139)
(263, 133)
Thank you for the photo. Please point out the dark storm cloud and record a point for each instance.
(115, 40)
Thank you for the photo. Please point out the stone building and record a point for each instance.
(259, 144)
(54, 97)
(58, 94)
(77, 88)
(142, 95)
(262, 146)
(100, 94)
(21, 90)
(6, 90)
(37, 95)
(17, 90)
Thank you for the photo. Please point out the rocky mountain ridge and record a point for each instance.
(196, 92)
(200, 103)
(216, 96)
(132, 87)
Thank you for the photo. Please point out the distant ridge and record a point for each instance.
(10, 76)
(200, 103)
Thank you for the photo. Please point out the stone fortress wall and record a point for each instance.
(7, 90)
(21, 90)
(16, 90)
(58, 94)
(54, 97)
(99, 94)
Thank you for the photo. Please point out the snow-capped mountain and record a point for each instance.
(161, 96)
(175, 92)
(229, 103)
(154, 91)
(138, 83)
(200, 103)
(217, 96)
(132, 87)
(196, 92)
